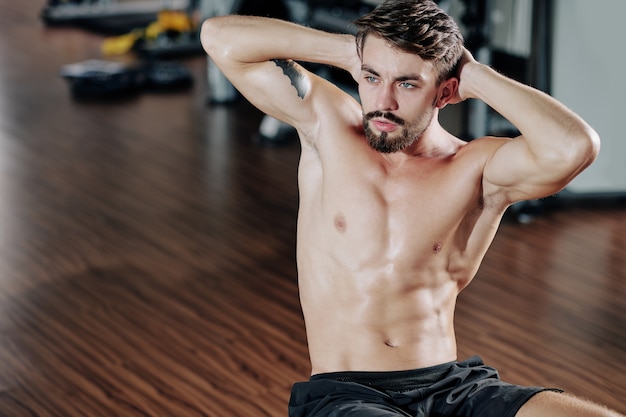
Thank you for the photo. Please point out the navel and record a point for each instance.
(391, 343)
(340, 222)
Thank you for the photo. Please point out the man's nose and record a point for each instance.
(386, 100)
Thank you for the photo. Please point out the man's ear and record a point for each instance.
(447, 91)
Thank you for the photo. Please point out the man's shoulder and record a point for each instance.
(335, 103)
(481, 148)
(337, 116)
(485, 142)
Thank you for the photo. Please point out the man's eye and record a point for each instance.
(407, 85)
(370, 79)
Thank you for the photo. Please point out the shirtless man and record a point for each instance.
(395, 212)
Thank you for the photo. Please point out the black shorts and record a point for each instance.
(459, 389)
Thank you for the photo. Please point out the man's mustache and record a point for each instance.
(385, 115)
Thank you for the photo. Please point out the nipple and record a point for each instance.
(340, 222)
(437, 247)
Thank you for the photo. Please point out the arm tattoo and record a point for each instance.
(295, 76)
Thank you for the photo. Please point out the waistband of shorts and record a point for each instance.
(390, 379)
(395, 380)
(357, 376)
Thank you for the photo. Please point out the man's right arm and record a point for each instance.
(258, 56)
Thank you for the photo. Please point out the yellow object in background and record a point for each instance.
(122, 44)
(174, 20)
(167, 21)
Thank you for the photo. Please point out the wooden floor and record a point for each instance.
(147, 257)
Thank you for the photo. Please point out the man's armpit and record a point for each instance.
(293, 72)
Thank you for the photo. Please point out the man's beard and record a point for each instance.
(408, 135)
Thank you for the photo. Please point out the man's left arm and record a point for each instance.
(555, 144)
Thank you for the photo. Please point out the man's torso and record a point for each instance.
(384, 249)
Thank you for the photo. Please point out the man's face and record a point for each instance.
(398, 94)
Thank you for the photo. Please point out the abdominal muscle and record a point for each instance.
(378, 321)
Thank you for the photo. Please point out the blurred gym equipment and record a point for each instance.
(108, 16)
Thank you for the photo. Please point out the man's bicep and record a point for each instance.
(295, 73)
(279, 88)
(513, 173)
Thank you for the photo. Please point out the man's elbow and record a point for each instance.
(210, 36)
(589, 146)
(583, 150)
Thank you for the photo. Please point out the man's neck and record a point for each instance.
(435, 142)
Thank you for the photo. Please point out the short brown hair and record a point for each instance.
(415, 26)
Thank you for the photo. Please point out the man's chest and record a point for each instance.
(372, 212)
